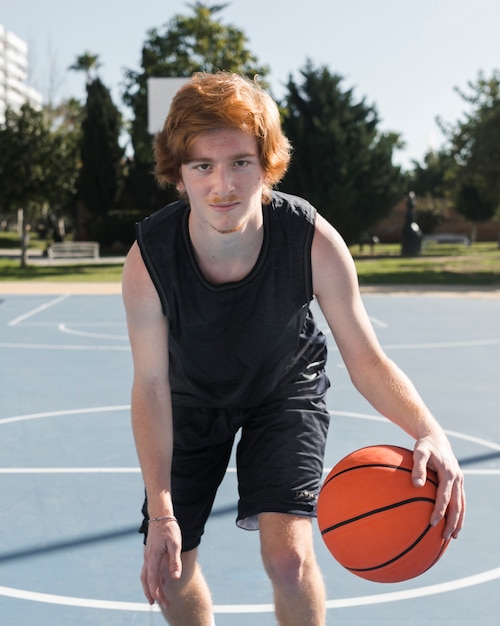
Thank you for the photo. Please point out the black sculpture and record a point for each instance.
(411, 242)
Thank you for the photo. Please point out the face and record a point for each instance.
(223, 180)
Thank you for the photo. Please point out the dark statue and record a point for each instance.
(411, 242)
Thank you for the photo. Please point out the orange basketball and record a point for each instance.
(374, 521)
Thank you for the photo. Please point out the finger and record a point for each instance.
(462, 515)
(152, 579)
(145, 585)
(456, 512)
(439, 511)
(442, 504)
(161, 595)
(450, 501)
(419, 470)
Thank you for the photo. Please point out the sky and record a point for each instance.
(404, 58)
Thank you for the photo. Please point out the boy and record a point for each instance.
(217, 290)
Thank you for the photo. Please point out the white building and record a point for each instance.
(14, 91)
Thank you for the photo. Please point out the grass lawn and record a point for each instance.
(12, 270)
(439, 264)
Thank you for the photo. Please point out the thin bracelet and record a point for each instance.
(163, 518)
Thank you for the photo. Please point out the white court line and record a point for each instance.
(419, 592)
(34, 416)
(48, 346)
(89, 603)
(137, 470)
(394, 596)
(377, 322)
(63, 328)
(70, 470)
(402, 346)
(473, 343)
(472, 439)
(38, 309)
(91, 325)
(453, 433)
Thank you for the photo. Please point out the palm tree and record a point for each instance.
(88, 63)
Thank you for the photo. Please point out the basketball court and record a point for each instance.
(71, 488)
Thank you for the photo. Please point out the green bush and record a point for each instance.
(115, 231)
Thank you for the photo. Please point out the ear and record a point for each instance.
(181, 188)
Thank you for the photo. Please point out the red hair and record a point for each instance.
(218, 100)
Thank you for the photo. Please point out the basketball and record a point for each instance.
(374, 521)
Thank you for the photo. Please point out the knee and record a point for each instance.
(286, 565)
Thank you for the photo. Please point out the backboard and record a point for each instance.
(160, 94)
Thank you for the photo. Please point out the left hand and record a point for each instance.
(436, 454)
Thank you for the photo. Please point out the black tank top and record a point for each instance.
(233, 344)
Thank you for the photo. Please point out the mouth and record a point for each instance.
(224, 207)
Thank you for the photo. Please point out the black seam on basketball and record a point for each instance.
(383, 465)
(394, 505)
(356, 467)
(396, 558)
(439, 555)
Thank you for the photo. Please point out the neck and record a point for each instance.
(227, 256)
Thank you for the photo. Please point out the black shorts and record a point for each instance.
(279, 458)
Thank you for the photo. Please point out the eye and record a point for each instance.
(202, 167)
(241, 163)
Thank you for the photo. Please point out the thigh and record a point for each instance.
(280, 456)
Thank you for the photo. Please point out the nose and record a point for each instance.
(222, 181)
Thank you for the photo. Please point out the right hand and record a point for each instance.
(162, 560)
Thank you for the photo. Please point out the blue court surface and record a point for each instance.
(71, 489)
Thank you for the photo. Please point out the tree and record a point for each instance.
(474, 143)
(38, 166)
(67, 116)
(101, 174)
(475, 203)
(431, 176)
(88, 63)
(429, 182)
(186, 44)
(341, 163)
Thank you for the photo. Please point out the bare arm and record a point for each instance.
(378, 378)
(152, 421)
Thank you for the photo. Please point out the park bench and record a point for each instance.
(74, 250)
(445, 238)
